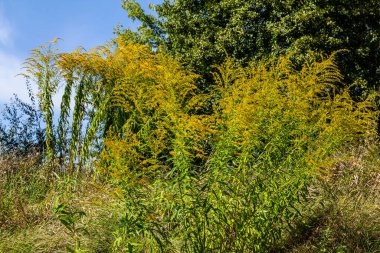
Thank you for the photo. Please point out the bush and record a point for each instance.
(20, 129)
(232, 180)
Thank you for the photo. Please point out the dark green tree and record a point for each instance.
(201, 33)
(330, 25)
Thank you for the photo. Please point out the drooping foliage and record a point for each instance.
(203, 33)
(42, 68)
(91, 82)
(86, 79)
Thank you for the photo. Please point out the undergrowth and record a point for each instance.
(344, 212)
(341, 214)
(32, 205)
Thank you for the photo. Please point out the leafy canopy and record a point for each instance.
(202, 34)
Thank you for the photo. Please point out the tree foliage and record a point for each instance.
(202, 34)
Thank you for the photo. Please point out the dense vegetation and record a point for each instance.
(201, 34)
(220, 133)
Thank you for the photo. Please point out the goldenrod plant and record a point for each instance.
(42, 68)
(235, 180)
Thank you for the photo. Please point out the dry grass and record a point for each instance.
(345, 211)
(27, 220)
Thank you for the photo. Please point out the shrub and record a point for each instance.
(232, 180)
(20, 129)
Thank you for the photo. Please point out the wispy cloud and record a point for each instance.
(10, 64)
(5, 29)
(10, 83)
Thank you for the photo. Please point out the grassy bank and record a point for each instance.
(48, 212)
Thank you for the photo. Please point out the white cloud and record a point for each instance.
(10, 83)
(10, 65)
(5, 30)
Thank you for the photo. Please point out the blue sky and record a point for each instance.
(26, 24)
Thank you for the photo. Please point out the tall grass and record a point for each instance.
(343, 212)
(30, 216)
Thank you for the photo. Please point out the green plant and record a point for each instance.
(77, 73)
(70, 217)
